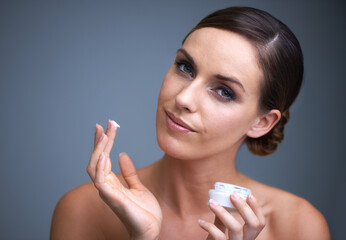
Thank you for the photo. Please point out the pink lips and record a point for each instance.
(177, 124)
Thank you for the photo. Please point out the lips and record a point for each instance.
(177, 124)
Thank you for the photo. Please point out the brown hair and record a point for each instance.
(280, 58)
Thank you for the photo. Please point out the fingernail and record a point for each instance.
(252, 197)
(201, 221)
(102, 136)
(114, 124)
(109, 125)
(213, 202)
(235, 196)
(121, 153)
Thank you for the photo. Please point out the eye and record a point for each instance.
(185, 67)
(226, 94)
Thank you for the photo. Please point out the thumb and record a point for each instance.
(128, 170)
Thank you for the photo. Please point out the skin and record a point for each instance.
(167, 199)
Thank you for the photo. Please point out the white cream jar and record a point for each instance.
(222, 192)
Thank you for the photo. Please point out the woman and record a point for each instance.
(233, 81)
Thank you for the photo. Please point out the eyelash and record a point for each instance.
(180, 64)
(229, 92)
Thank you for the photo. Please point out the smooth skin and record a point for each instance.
(168, 199)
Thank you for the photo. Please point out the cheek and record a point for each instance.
(169, 87)
(228, 126)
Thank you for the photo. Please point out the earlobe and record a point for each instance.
(264, 124)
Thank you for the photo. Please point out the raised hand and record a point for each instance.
(135, 205)
(250, 212)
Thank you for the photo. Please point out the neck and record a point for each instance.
(183, 185)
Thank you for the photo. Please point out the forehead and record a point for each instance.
(227, 53)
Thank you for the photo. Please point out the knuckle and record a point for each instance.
(98, 185)
(237, 229)
(255, 224)
(90, 169)
(97, 167)
(131, 174)
(221, 237)
(208, 226)
(218, 235)
(262, 223)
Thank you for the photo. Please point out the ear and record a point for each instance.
(264, 123)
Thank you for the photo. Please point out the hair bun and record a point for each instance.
(268, 143)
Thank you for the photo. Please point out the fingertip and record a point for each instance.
(235, 196)
(124, 159)
(201, 221)
(98, 133)
(122, 153)
(251, 197)
(116, 125)
(213, 203)
(99, 127)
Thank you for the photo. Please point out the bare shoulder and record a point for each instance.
(293, 217)
(81, 214)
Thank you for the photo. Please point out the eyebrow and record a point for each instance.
(218, 76)
(188, 56)
(234, 80)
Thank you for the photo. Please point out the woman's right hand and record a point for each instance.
(135, 205)
(249, 210)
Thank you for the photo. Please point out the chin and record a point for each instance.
(179, 147)
(172, 145)
(175, 148)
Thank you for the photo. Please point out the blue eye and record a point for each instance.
(226, 94)
(185, 68)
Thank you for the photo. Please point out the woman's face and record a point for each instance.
(209, 97)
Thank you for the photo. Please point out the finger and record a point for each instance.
(244, 210)
(214, 232)
(129, 172)
(111, 133)
(218, 223)
(109, 186)
(251, 200)
(234, 227)
(98, 133)
(252, 223)
(95, 155)
(100, 170)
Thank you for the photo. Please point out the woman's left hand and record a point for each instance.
(249, 210)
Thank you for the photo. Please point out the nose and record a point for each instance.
(187, 98)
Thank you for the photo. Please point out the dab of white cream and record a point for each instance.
(115, 124)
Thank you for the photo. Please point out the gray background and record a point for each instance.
(66, 65)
